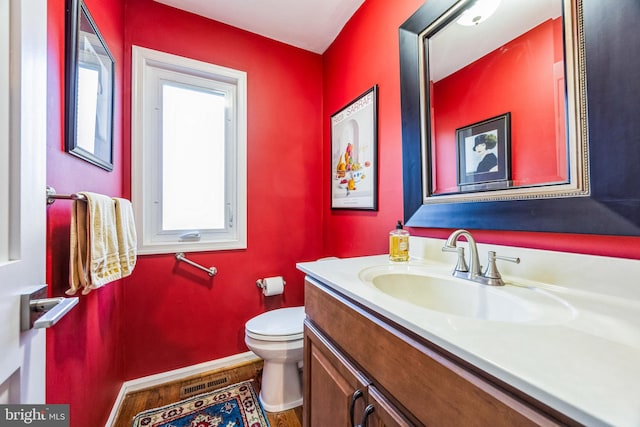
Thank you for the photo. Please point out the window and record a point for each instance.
(188, 154)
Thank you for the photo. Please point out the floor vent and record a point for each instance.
(202, 386)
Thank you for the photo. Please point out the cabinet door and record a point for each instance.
(334, 390)
(384, 413)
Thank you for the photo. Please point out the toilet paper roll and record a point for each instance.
(273, 286)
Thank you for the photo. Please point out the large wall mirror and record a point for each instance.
(497, 133)
(89, 89)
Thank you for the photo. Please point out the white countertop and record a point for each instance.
(586, 365)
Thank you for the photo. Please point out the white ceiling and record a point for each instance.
(314, 24)
(308, 24)
(457, 45)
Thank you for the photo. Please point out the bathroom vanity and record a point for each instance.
(352, 356)
(377, 353)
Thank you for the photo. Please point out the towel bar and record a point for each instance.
(52, 196)
(212, 271)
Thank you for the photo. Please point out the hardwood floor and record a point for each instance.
(136, 402)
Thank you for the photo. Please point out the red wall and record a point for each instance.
(521, 83)
(176, 316)
(84, 356)
(364, 54)
(166, 315)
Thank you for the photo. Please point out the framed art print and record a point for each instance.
(484, 154)
(354, 154)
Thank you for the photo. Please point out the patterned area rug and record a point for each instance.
(233, 406)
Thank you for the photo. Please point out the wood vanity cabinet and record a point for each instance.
(349, 351)
(340, 394)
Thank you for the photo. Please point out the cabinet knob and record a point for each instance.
(352, 407)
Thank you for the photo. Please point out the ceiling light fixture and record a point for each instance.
(479, 12)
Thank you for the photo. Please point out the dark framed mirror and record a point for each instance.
(89, 97)
(597, 195)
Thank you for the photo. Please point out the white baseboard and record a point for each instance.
(165, 377)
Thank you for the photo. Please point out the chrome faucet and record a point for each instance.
(473, 271)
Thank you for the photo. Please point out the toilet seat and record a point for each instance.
(283, 324)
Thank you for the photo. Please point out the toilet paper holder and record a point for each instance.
(262, 285)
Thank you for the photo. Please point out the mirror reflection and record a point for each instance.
(94, 92)
(496, 96)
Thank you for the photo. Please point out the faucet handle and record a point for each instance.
(492, 272)
(461, 265)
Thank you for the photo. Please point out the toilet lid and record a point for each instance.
(283, 324)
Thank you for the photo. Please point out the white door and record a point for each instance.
(23, 91)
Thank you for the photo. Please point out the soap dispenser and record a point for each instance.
(399, 244)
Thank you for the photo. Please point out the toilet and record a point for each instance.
(277, 337)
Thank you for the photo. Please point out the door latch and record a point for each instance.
(38, 311)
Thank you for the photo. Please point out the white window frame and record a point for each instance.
(149, 69)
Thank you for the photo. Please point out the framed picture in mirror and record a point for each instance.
(484, 154)
(89, 97)
(354, 158)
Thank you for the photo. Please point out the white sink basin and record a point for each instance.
(443, 293)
